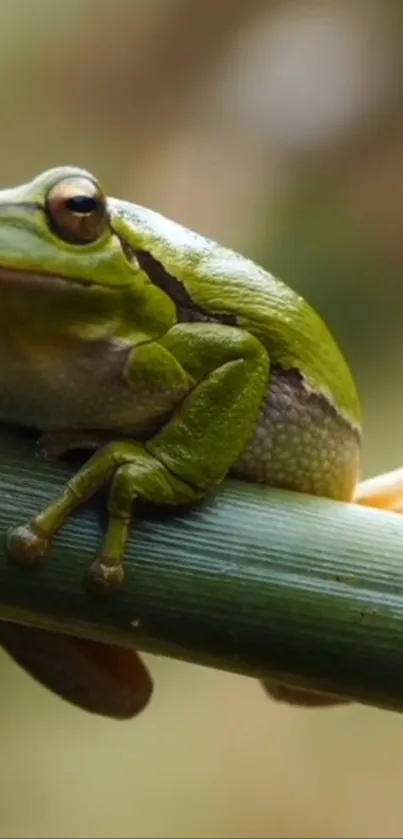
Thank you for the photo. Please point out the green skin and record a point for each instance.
(194, 362)
(178, 360)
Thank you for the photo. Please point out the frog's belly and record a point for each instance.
(301, 442)
(86, 387)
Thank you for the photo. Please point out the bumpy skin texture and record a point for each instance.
(301, 442)
(194, 362)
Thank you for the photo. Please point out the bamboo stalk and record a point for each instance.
(266, 583)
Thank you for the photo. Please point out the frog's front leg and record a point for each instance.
(190, 454)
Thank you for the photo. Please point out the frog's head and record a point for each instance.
(61, 253)
(59, 225)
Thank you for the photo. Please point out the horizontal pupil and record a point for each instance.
(81, 204)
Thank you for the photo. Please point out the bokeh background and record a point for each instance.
(276, 128)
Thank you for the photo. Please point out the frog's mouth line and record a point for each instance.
(48, 281)
(34, 278)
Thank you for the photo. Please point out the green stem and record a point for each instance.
(262, 582)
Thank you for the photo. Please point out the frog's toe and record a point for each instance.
(27, 544)
(106, 575)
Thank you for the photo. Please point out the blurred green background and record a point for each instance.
(276, 128)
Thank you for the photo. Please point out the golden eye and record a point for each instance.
(76, 209)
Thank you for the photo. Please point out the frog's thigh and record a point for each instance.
(384, 491)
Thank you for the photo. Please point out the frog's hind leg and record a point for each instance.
(100, 678)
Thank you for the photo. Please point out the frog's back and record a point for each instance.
(308, 436)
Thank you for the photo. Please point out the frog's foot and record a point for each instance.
(54, 444)
(27, 544)
(106, 573)
(99, 678)
(384, 491)
(135, 473)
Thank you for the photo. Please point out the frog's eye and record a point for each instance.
(76, 210)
